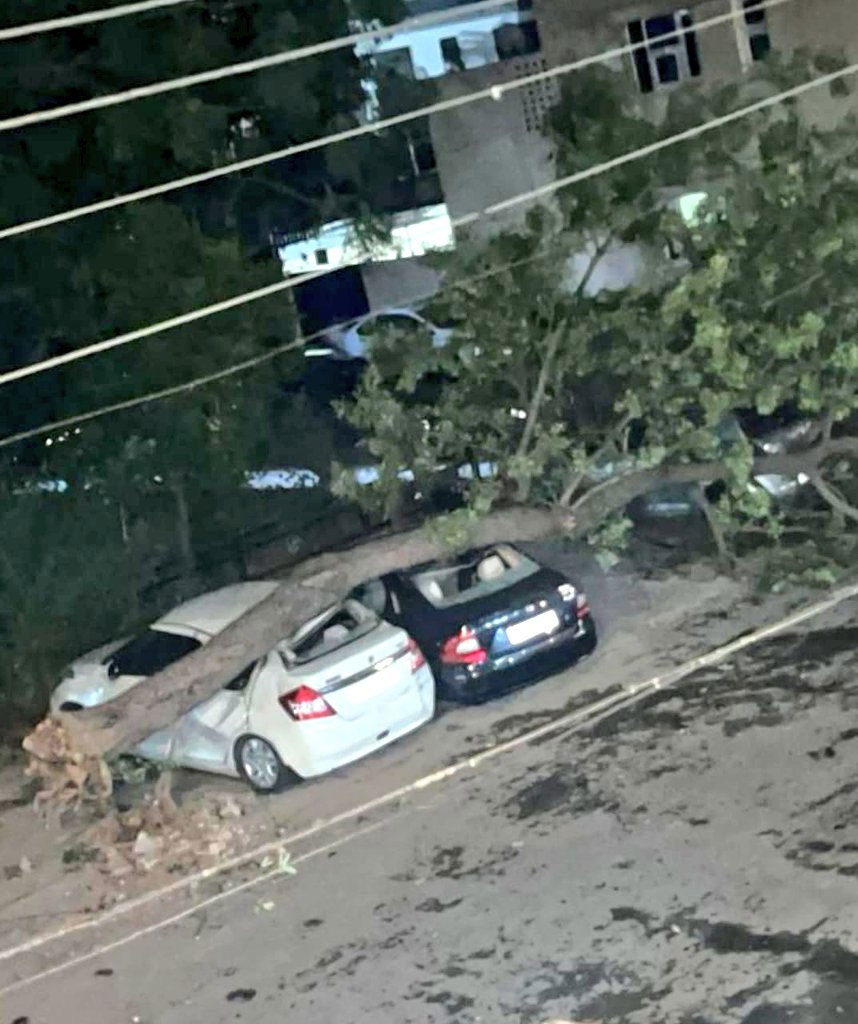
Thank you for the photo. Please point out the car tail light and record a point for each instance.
(583, 609)
(463, 649)
(417, 659)
(305, 704)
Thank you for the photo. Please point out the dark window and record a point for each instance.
(151, 652)
(761, 45)
(660, 31)
(691, 50)
(452, 54)
(321, 256)
(754, 13)
(665, 50)
(641, 59)
(757, 29)
(517, 40)
(242, 679)
(667, 68)
(395, 62)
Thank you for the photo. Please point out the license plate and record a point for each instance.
(539, 625)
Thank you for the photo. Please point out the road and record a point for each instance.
(691, 860)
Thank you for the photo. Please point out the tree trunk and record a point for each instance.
(183, 528)
(318, 582)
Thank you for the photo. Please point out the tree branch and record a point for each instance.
(539, 391)
(715, 528)
(833, 497)
(595, 260)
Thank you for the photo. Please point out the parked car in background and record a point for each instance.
(352, 341)
(346, 684)
(487, 621)
(677, 500)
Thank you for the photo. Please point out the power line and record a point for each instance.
(247, 364)
(232, 70)
(522, 197)
(495, 92)
(35, 28)
(158, 328)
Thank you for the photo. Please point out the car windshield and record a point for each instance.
(150, 652)
(326, 634)
(474, 577)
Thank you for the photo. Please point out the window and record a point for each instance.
(150, 652)
(757, 28)
(451, 53)
(422, 154)
(516, 40)
(396, 63)
(240, 682)
(330, 631)
(476, 575)
(665, 49)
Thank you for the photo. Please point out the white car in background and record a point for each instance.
(346, 684)
(352, 341)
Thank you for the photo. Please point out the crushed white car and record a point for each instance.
(346, 684)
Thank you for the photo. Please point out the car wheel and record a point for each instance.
(259, 764)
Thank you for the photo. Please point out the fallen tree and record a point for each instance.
(318, 582)
(547, 381)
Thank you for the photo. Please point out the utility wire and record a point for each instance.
(37, 28)
(522, 197)
(495, 92)
(243, 67)
(247, 364)
(158, 328)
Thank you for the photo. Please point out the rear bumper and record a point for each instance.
(474, 683)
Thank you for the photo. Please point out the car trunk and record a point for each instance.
(515, 618)
(374, 666)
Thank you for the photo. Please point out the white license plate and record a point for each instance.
(539, 625)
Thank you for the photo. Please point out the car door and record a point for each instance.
(204, 737)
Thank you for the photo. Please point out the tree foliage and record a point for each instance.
(745, 306)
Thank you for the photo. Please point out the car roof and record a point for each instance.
(212, 612)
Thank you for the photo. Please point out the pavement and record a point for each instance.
(691, 859)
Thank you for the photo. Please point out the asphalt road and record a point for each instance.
(693, 860)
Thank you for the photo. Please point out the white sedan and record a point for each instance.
(352, 342)
(346, 684)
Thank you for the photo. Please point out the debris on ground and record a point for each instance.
(66, 776)
(157, 835)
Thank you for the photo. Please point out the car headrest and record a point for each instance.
(431, 590)
(334, 633)
(490, 568)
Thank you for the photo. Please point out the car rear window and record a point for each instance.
(338, 627)
(464, 581)
(150, 652)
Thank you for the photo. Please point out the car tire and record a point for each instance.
(259, 764)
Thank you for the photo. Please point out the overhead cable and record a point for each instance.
(244, 67)
(495, 92)
(463, 221)
(37, 28)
